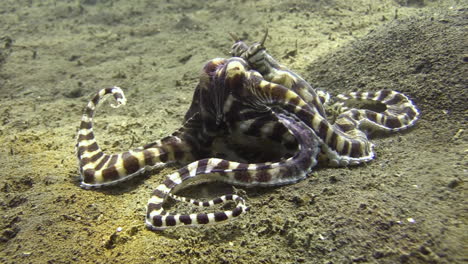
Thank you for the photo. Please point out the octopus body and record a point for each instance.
(252, 122)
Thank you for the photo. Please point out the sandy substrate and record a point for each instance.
(408, 205)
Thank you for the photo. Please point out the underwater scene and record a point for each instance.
(184, 131)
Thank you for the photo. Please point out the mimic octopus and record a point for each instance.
(252, 122)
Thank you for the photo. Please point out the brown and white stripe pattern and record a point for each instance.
(261, 61)
(291, 170)
(343, 148)
(400, 112)
(99, 169)
(249, 95)
(344, 142)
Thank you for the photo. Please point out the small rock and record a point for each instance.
(74, 93)
(9, 233)
(453, 183)
(298, 201)
(111, 242)
(378, 254)
(16, 201)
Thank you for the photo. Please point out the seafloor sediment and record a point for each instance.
(408, 205)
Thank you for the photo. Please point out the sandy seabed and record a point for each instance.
(406, 206)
